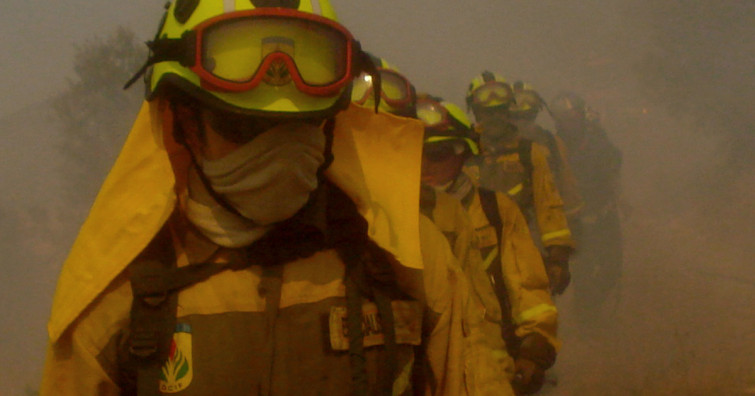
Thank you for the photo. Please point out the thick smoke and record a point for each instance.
(673, 81)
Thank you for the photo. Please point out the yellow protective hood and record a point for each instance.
(377, 163)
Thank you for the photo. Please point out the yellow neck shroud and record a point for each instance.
(377, 163)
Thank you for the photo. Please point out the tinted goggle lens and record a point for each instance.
(233, 50)
(394, 86)
(492, 95)
(361, 88)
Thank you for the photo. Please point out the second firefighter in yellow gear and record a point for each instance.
(519, 167)
(524, 114)
(490, 236)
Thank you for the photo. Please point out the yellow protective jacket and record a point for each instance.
(474, 241)
(558, 160)
(256, 330)
(504, 171)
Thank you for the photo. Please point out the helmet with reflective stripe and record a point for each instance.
(445, 121)
(489, 90)
(282, 58)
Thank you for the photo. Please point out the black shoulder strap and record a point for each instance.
(489, 204)
(155, 283)
(525, 158)
(153, 315)
(555, 158)
(490, 207)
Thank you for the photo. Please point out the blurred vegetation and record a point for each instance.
(96, 113)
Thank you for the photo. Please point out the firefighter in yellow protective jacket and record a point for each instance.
(519, 167)
(523, 114)
(503, 264)
(487, 366)
(256, 236)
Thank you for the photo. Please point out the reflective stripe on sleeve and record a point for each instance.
(533, 312)
(489, 260)
(556, 234)
(516, 190)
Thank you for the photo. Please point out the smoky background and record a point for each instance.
(673, 81)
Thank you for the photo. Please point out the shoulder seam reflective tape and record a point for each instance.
(489, 260)
(229, 5)
(533, 312)
(556, 234)
(515, 190)
(316, 7)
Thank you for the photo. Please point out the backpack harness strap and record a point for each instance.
(508, 330)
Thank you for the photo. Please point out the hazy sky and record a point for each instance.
(440, 45)
(37, 39)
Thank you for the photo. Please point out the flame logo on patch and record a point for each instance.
(176, 374)
(277, 74)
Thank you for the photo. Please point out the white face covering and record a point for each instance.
(267, 180)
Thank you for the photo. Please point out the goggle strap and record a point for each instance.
(181, 50)
(147, 63)
(366, 65)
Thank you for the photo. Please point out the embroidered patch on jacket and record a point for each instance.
(177, 373)
(407, 317)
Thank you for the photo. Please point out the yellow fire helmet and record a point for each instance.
(396, 94)
(445, 122)
(270, 58)
(489, 90)
(528, 102)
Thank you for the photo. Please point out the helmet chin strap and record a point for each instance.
(180, 136)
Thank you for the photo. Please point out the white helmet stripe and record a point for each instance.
(229, 5)
(316, 7)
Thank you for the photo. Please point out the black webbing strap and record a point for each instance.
(495, 271)
(153, 315)
(525, 158)
(368, 274)
(357, 358)
(555, 159)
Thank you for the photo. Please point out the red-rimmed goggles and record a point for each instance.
(235, 52)
(395, 89)
(492, 93)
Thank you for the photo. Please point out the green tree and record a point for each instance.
(96, 113)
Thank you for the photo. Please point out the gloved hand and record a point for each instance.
(557, 267)
(528, 377)
(535, 356)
